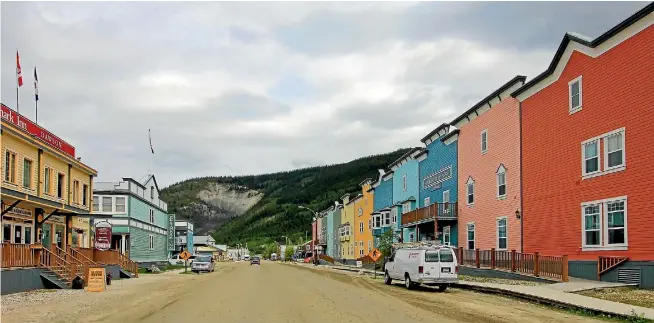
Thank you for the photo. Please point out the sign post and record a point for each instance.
(185, 255)
(375, 254)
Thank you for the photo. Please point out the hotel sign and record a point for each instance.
(19, 211)
(33, 129)
(436, 179)
(103, 235)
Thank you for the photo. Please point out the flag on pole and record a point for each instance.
(19, 74)
(36, 85)
(150, 136)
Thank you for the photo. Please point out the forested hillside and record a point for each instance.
(262, 208)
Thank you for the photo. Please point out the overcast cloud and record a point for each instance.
(247, 88)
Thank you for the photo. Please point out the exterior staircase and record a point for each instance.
(57, 270)
(52, 280)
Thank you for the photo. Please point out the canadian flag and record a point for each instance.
(19, 74)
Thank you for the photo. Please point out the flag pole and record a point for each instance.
(17, 84)
(36, 96)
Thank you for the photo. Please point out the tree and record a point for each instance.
(386, 241)
(289, 252)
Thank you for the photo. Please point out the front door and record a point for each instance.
(446, 235)
(18, 233)
(60, 236)
(27, 237)
(47, 236)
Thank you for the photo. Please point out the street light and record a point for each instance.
(315, 217)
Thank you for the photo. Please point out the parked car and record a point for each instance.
(255, 261)
(246, 257)
(273, 257)
(203, 263)
(176, 260)
(428, 265)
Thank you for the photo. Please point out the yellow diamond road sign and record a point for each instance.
(185, 255)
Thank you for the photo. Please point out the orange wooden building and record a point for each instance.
(587, 153)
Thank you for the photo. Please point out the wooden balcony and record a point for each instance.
(436, 210)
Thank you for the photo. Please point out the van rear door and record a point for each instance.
(447, 264)
(432, 265)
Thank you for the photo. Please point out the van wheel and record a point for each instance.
(442, 288)
(408, 283)
(387, 279)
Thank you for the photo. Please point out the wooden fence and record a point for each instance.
(554, 267)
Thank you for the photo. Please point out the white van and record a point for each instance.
(246, 257)
(428, 265)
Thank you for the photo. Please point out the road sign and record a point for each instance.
(375, 254)
(185, 255)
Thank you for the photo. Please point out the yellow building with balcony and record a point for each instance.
(363, 232)
(44, 187)
(346, 228)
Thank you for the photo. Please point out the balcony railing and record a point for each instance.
(436, 210)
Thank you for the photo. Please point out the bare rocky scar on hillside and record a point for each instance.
(219, 203)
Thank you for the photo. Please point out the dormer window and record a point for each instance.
(575, 95)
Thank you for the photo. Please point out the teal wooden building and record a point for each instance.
(142, 229)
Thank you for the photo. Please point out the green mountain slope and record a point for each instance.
(276, 213)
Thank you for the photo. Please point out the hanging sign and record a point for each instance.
(103, 235)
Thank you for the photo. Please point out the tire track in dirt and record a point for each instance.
(454, 303)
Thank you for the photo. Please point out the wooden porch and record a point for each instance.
(533, 264)
(429, 213)
(66, 264)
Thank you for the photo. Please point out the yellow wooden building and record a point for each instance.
(44, 186)
(363, 231)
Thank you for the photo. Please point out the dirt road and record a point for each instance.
(273, 292)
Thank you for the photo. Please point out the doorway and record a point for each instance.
(46, 239)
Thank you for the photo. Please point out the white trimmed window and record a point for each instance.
(501, 233)
(387, 219)
(610, 158)
(360, 211)
(604, 224)
(377, 221)
(447, 235)
(106, 204)
(501, 182)
(404, 182)
(471, 236)
(151, 242)
(394, 219)
(406, 208)
(369, 245)
(427, 201)
(484, 141)
(574, 95)
(370, 224)
(590, 151)
(151, 215)
(360, 227)
(470, 192)
(120, 204)
(361, 248)
(96, 203)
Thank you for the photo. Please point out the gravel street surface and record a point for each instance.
(272, 292)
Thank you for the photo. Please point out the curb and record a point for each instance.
(543, 300)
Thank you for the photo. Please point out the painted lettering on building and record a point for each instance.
(435, 180)
(33, 129)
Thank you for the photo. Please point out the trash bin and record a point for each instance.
(78, 283)
(108, 279)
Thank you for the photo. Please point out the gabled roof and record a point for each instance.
(435, 131)
(491, 96)
(571, 37)
(406, 155)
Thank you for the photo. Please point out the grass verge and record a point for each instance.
(626, 295)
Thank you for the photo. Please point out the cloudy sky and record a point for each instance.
(247, 88)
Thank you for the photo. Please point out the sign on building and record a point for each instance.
(103, 235)
(436, 179)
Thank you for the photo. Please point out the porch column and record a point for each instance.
(122, 244)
